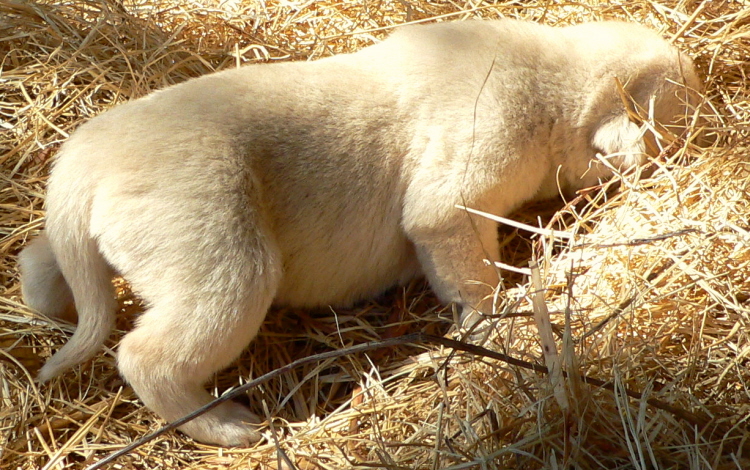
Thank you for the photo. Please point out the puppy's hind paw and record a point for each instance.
(229, 425)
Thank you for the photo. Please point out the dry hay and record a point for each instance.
(650, 295)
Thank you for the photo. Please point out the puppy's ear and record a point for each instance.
(621, 141)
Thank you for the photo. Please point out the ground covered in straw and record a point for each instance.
(649, 296)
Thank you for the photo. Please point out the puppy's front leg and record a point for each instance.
(453, 257)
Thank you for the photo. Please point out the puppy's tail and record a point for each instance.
(63, 267)
(42, 283)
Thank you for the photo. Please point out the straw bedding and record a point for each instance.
(649, 293)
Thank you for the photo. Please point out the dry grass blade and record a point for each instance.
(653, 276)
(546, 338)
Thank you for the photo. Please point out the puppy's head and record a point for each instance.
(652, 99)
(666, 99)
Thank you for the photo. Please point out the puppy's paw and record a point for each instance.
(229, 425)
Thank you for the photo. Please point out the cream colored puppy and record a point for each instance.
(326, 182)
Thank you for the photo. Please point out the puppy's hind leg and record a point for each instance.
(202, 315)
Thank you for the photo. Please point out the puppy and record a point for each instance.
(324, 183)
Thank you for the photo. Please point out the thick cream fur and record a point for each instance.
(326, 182)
